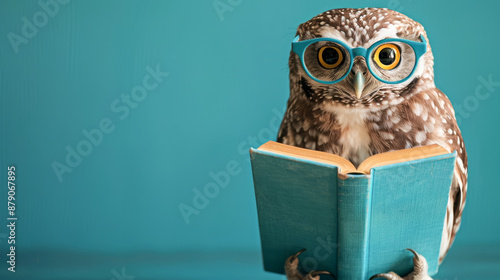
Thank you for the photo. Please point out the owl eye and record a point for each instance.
(387, 56)
(330, 57)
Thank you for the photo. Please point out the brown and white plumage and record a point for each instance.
(330, 117)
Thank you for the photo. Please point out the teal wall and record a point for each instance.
(225, 91)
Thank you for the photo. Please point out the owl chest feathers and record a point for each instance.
(356, 133)
(353, 133)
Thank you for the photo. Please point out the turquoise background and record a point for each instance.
(226, 90)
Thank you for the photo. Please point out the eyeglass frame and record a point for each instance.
(299, 47)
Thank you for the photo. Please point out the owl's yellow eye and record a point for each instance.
(387, 56)
(330, 57)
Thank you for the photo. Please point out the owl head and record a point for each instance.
(368, 57)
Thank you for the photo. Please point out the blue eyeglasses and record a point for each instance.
(329, 61)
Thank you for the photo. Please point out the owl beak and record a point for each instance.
(359, 83)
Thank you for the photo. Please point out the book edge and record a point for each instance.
(293, 157)
(345, 167)
(343, 164)
(415, 161)
(400, 156)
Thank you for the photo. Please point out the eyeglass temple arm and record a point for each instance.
(422, 48)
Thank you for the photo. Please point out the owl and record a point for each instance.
(362, 83)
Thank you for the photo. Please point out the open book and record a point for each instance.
(346, 166)
(355, 222)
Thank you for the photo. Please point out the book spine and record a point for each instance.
(354, 211)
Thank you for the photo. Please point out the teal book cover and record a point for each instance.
(354, 225)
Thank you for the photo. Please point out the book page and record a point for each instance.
(344, 165)
(401, 156)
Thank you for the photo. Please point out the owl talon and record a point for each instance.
(291, 265)
(420, 268)
(292, 273)
(293, 257)
(315, 274)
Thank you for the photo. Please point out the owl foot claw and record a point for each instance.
(292, 272)
(420, 268)
(291, 265)
(314, 275)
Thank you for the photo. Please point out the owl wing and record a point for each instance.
(453, 141)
